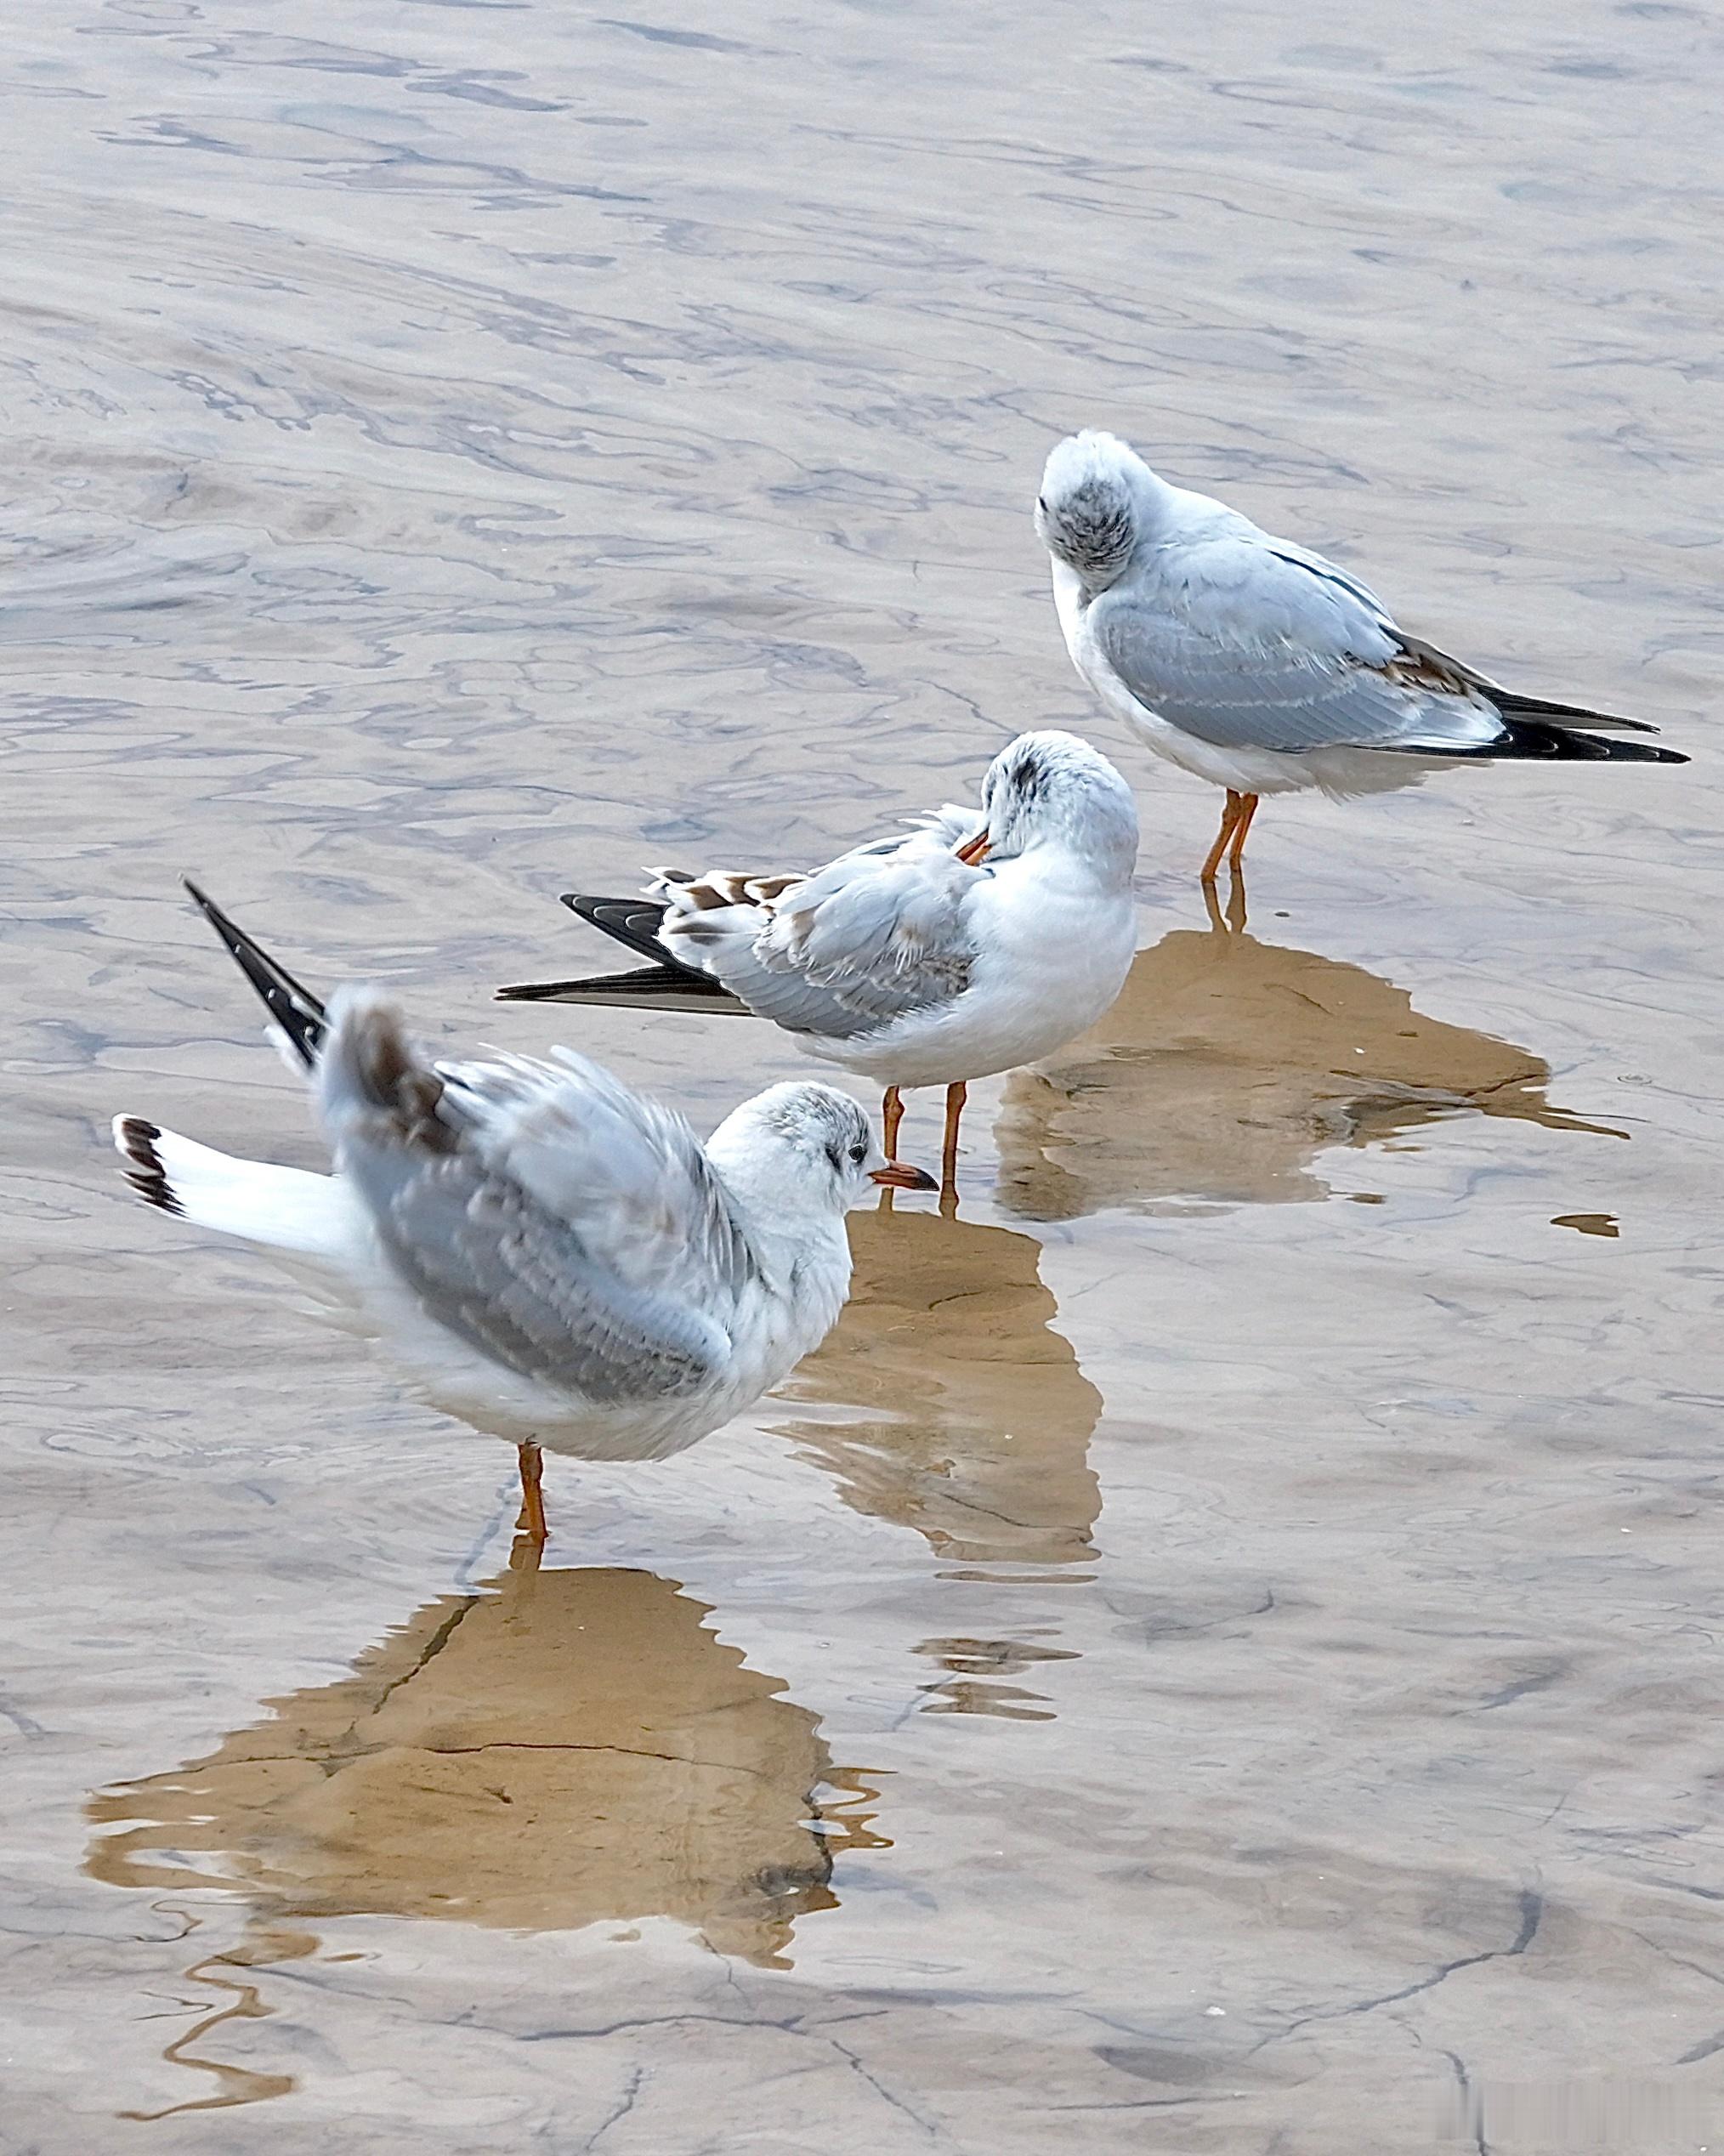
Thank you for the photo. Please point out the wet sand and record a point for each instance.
(1219, 1652)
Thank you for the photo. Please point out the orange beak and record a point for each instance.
(899, 1174)
(975, 849)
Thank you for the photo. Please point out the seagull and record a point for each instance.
(976, 942)
(558, 1261)
(1261, 666)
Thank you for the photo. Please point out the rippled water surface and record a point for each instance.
(1221, 1650)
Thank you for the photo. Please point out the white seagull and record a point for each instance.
(1258, 665)
(558, 1261)
(968, 945)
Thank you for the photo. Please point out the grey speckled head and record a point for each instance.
(1051, 788)
(800, 1140)
(1097, 501)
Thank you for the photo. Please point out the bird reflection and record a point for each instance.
(1228, 1065)
(975, 1419)
(559, 1748)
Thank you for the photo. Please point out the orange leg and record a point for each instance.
(532, 1519)
(956, 1097)
(1248, 808)
(1230, 813)
(891, 1116)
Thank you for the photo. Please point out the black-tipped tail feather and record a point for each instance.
(136, 1140)
(294, 1008)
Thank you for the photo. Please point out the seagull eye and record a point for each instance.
(859, 1152)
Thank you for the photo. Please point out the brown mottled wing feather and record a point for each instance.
(1512, 702)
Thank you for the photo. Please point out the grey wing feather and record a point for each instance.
(949, 826)
(541, 1213)
(1281, 652)
(491, 1268)
(626, 1172)
(723, 947)
(1329, 572)
(875, 935)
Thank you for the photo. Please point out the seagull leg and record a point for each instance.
(956, 1097)
(532, 1519)
(1248, 808)
(891, 1116)
(1234, 808)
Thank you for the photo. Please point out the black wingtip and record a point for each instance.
(1596, 748)
(1543, 741)
(651, 988)
(633, 923)
(294, 1008)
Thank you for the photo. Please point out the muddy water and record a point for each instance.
(1221, 1650)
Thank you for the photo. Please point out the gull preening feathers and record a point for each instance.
(1261, 666)
(558, 1261)
(978, 941)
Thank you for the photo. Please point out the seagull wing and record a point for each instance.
(1251, 643)
(876, 934)
(541, 1212)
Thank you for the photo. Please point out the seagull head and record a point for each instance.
(1052, 789)
(802, 1147)
(1098, 499)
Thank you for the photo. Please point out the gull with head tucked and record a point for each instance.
(1261, 666)
(974, 943)
(558, 1261)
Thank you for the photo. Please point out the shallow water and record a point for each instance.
(1220, 1651)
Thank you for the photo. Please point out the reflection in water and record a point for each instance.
(975, 1418)
(232, 2085)
(977, 1667)
(561, 1748)
(1227, 1066)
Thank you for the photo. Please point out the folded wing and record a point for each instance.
(1257, 646)
(876, 934)
(539, 1211)
(1248, 642)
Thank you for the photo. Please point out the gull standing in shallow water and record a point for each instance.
(1260, 666)
(560, 1262)
(968, 945)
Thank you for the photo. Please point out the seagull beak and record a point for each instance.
(975, 849)
(899, 1174)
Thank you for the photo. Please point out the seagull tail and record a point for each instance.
(285, 1208)
(296, 1011)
